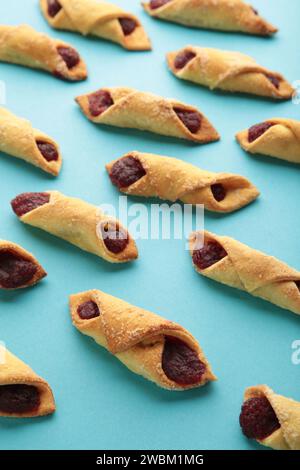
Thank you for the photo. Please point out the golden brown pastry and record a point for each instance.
(228, 71)
(77, 222)
(230, 262)
(148, 175)
(18, 267)
(23, 394)
(273, 420)
(223, 15)
(126, 107)
(275, 137)
(149, 345)
(19, 139)
(24, 45)
(98, 18)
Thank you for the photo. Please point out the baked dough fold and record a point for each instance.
(82, 224)
(172, 179)
(13, 371)
(148, 112)
(287, 437)
(25, 46)
(98, 18)
(223, 15)
(135, 336)
(280, 140)
(19, 139)
(229, 71)
(250, 270)
(12, 275)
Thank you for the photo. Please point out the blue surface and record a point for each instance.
(99, 403)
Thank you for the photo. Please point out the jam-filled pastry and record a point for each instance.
(25, 46)
(222, 15)
(97, 18)
(19, 139)
(149, 345)
(272, 420)
(18, 267)
(126, 107)
(230, 262)
(148, 175)
(23, 394)
(275, 137)
(228, 71)
(77, 222)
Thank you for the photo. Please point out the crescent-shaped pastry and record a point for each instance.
(23, 394)
(18, 267)
(230, 262)
(19, 139)
(148, 175)
(272, 420)
(228, 71)
(25, 46)
(223, 15)
(158, 349)
(77, 222)
(126, 107)
(98, 18)
(275, 137)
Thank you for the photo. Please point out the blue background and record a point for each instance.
(100, 404)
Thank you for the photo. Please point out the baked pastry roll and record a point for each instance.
(18, 267)
(97, 18)
(149, 345)
(228, 71)
(223, 15)
(276, 137)
(271, 419)
(24, 45)
(232, 263)
(126, 107)
(19, 139)
(23, 394)
(77, 222)
(148, 175)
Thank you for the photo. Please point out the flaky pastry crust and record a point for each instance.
(25, 46)
(252, 271)
(98, 18)
(230, 71)
(173, 179)
(135, 336)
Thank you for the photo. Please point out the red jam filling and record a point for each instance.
(99, 102)
(53, 7)
(27, 202)
(274, 80)
(19, 398)
(49, 151)
(211, 253)
(258, 419)
(88, 310)
(218, 191)
(158, 3)
(191, 119)
(128, 25)
(258, 130)
(69, 56)
(126, 171)
(180, 363)
(114, 238)
(15, 271)
(298, 285)
(183, 58)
